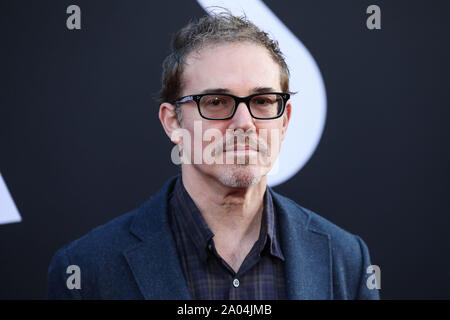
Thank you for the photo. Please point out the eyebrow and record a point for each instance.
(224, 90)
(218, 90)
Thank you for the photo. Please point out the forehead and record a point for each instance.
(237, 67)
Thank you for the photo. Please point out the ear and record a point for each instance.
(169, 121)
(286, 118)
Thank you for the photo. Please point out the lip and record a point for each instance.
(240, 148)
(241, 153)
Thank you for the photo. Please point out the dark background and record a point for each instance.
(81, 142)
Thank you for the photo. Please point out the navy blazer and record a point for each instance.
(134, 257)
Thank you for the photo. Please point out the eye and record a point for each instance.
(216, 101)
(262, 101)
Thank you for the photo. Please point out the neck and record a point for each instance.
(233, 214)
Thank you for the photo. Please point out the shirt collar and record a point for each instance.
(193, 223)
(191, 220)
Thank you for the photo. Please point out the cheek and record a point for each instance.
(189, 115)
(212, 133)
(272, 132)
(203, 133)
(191, 122)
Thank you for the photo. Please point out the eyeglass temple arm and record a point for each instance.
(184, 99)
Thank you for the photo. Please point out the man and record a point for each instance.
(217, 231)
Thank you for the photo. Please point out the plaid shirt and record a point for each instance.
(208, 276)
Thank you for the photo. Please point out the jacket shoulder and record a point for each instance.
(95, 255)
(350, 256)
(314, 221)
(114, 235)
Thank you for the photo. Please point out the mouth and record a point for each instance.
(239, 147)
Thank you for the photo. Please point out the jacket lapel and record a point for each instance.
(154, 260)
(307, 253)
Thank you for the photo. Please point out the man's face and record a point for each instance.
(240, 69)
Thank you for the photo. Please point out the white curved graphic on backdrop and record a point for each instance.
(8, 210)
(308, 105)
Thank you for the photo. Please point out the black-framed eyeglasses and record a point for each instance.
(223, 106)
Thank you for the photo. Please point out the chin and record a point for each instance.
(240, 176)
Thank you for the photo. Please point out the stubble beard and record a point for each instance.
(240, 176)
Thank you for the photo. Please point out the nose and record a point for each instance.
(242, 118)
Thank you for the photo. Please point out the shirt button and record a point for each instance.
(210, 246)
(236, 283)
